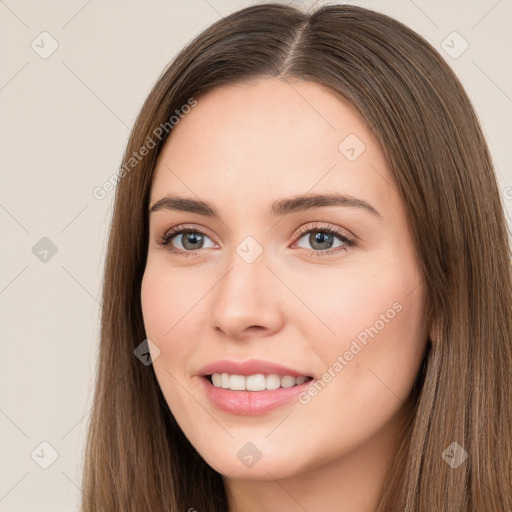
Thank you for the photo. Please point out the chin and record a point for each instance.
(266, 468)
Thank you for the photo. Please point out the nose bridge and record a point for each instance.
(243, 297)
(245, 282)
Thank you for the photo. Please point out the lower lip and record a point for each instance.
(251, 403)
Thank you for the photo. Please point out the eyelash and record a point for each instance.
(165, 240)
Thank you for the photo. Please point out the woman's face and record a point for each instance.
(328, 288)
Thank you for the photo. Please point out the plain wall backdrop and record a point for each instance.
(73, 77)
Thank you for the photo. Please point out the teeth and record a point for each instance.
(258, 382)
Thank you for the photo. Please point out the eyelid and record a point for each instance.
(187, 227)
(321, 225)
(299, 232)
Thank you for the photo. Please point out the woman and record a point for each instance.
(309, 246)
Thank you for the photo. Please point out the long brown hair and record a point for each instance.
(137, 457)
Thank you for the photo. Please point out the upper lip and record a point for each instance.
(250, 367)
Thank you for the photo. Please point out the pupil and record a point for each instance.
(187, 238)
(322, 238)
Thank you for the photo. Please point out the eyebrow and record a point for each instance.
(278, 208)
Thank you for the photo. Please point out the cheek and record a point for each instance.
(168, 317)
(155, 305)
(165, 299)
(375, 315)
(348, 303)
(166, 310)
(382, 336)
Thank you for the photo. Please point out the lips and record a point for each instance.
(252, 403)
(247, 402)
(250, 367)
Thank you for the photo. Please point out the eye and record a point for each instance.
(322, 239)
(190, 239)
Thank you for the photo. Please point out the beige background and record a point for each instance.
(64, 122)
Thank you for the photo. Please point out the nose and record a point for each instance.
(247, 301)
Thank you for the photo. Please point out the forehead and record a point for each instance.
(271, 138)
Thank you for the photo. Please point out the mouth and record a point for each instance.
(255, 383)
(249, 395)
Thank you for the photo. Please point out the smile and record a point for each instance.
(257, 382)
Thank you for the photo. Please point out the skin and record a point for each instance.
(241, 148)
